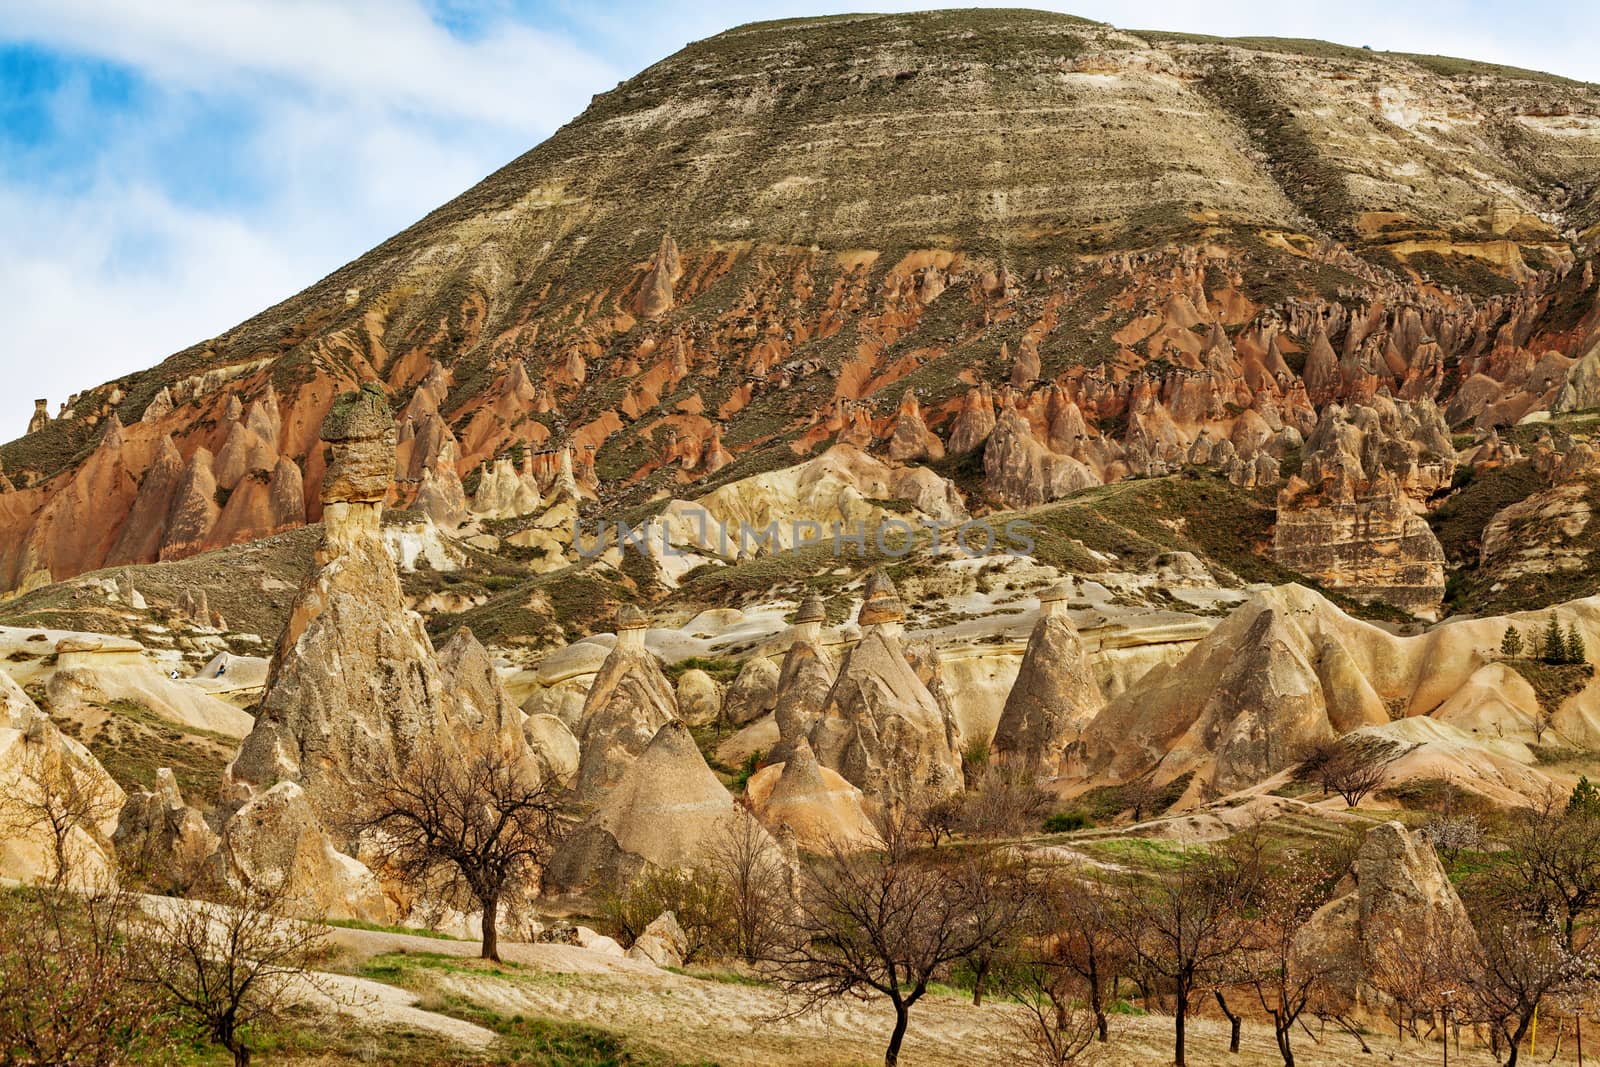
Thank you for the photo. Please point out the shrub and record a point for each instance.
(1065, 822)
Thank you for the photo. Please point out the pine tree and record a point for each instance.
(1511, 643)
(1585, 798)
(1554, 646)
(1576, 653)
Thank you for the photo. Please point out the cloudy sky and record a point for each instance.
(168, 167)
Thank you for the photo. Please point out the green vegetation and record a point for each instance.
(133, 742)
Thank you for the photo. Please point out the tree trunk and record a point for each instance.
(1181, 1010)
(1280, 1032)
(1516, 1041)
(902, 1015)
(1233, 1021)
(980, 972)
(491, 936)
(1102, 1024)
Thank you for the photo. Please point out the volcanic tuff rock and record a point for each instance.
(1352, 518)
(1402, 909)
(809, 804)
(1055, 695)
(666, 809)
(804, 681)
(37, 759)
(1287, 668)
(1197, 237)
(880, 727)
(162, 839)
(628, 703)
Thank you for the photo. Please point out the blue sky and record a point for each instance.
(169, 167)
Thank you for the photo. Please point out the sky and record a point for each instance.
(170, 167)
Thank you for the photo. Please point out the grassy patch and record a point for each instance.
(1552, 683)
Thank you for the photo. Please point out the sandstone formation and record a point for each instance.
(666, 809)
(880, 727)
(1402, 908)
(1352, 518)
(629, 702)
(1055, 695)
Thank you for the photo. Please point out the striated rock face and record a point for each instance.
(1055, 695)
(629, 702)
(666, 809)
(667, 307)
(1403, 907)
(881, 728)
(38, 760)
(1353, 518)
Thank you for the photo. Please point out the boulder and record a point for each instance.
(699, 698)
(753, 693)
(662, 943)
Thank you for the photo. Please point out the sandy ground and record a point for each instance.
(705, 1020)
(700, 1020)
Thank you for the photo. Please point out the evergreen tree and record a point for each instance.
(1554, 647)
(1511, 643)
(1576, 653)
(1585, 798)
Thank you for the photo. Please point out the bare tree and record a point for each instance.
(937, 817)
(886, 921)
(1286, 981)
(1003, 800)
(1079, 919)
(230, 965)
(59, 802)
(480, 824)
(756, 874)
(1187, 929)
(1055, 1027)
(1351, 766)
(67, 988)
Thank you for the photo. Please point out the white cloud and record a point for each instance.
(384, 52)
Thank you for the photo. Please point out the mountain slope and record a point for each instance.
(755, 246)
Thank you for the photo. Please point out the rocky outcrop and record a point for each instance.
(37, 763)
(662, 943)
(1055, 695)
(1020, 471)
(163, 842)
(1402, 913)
(655, 292)
(804, 680)
(667, 809)
(753, 692)
(629, 702)
(880, 728)
(911, 441)
(805, 803)
(277, 840)
(699, 698)
(354, 689)
(1353, 518)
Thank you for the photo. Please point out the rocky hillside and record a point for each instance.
(1035, 252)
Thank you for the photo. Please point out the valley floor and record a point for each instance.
(667, 1017)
